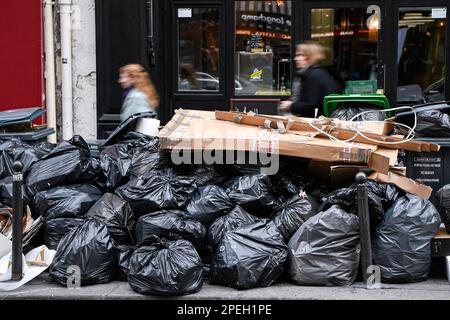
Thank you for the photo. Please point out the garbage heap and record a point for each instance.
(158, 213)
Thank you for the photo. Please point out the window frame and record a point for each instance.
(309, 5)
(201, 94)
(392, 73)
(295, 5)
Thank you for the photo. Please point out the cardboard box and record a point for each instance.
(440, 245)
(199, 130)
(406, 184)
(376, 127)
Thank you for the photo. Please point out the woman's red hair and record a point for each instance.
(142, 82)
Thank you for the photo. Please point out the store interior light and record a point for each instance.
(414, 19)
(374, 23)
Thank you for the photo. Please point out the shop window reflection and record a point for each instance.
(351, 37)
(198, 49)
(263, 47)
(421, 54)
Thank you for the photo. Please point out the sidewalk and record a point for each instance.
(43, 288)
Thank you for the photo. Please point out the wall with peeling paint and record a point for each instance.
(84, 69)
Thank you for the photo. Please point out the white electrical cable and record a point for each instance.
(409, 137)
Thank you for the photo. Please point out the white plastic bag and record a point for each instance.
(34, 263)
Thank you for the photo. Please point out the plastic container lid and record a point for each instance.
(332, 101)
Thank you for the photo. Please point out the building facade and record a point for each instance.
(204, 54)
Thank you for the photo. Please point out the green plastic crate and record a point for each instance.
(361, 86)
(331, 101)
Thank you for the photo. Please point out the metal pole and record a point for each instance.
(17, 218)
(364, 224)
(50, 86)
(65, 10)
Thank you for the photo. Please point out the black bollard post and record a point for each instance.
(364, 224)
(17, 218)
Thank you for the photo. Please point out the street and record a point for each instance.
(43, 288)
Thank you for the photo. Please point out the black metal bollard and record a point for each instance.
(17, 218)
(364, 224)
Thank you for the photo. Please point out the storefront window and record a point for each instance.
(198, 49)
(263, 47)
(421, 54)
(351, 37)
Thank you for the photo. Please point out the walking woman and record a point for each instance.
(139, 93)
(312, 82)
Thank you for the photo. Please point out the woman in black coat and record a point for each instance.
(311, 84)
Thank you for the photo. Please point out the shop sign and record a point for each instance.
(275, 22)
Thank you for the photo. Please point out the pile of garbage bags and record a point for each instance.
(133, 215)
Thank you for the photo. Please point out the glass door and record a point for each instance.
(421, 54)
(351, 34)
(198, 48)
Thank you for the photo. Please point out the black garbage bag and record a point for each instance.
(132, 158)
(44, 147)
(6, 192)
(283, 186)
(443, 198)
(157, 191)
(326, 249)
(251, 256)
(71, 201)
(381, 197)
(347, 112)
(253, 194)
(402, 243)
(116, 214)
(166, 268)
(235, 219)
(69, 162)
(147, 157)
(170, 224)
(208, 203)
(124, 253)
(433, 123)
(56, 229)
(239, 170)
(115, 162)
(91, 249)
(208, 175)
(293, 213)
(17, 150)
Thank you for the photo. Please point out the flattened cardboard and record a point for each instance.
(336, 175)
(406, 184)
(198, 130)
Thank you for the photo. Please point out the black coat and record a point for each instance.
(309, 88)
